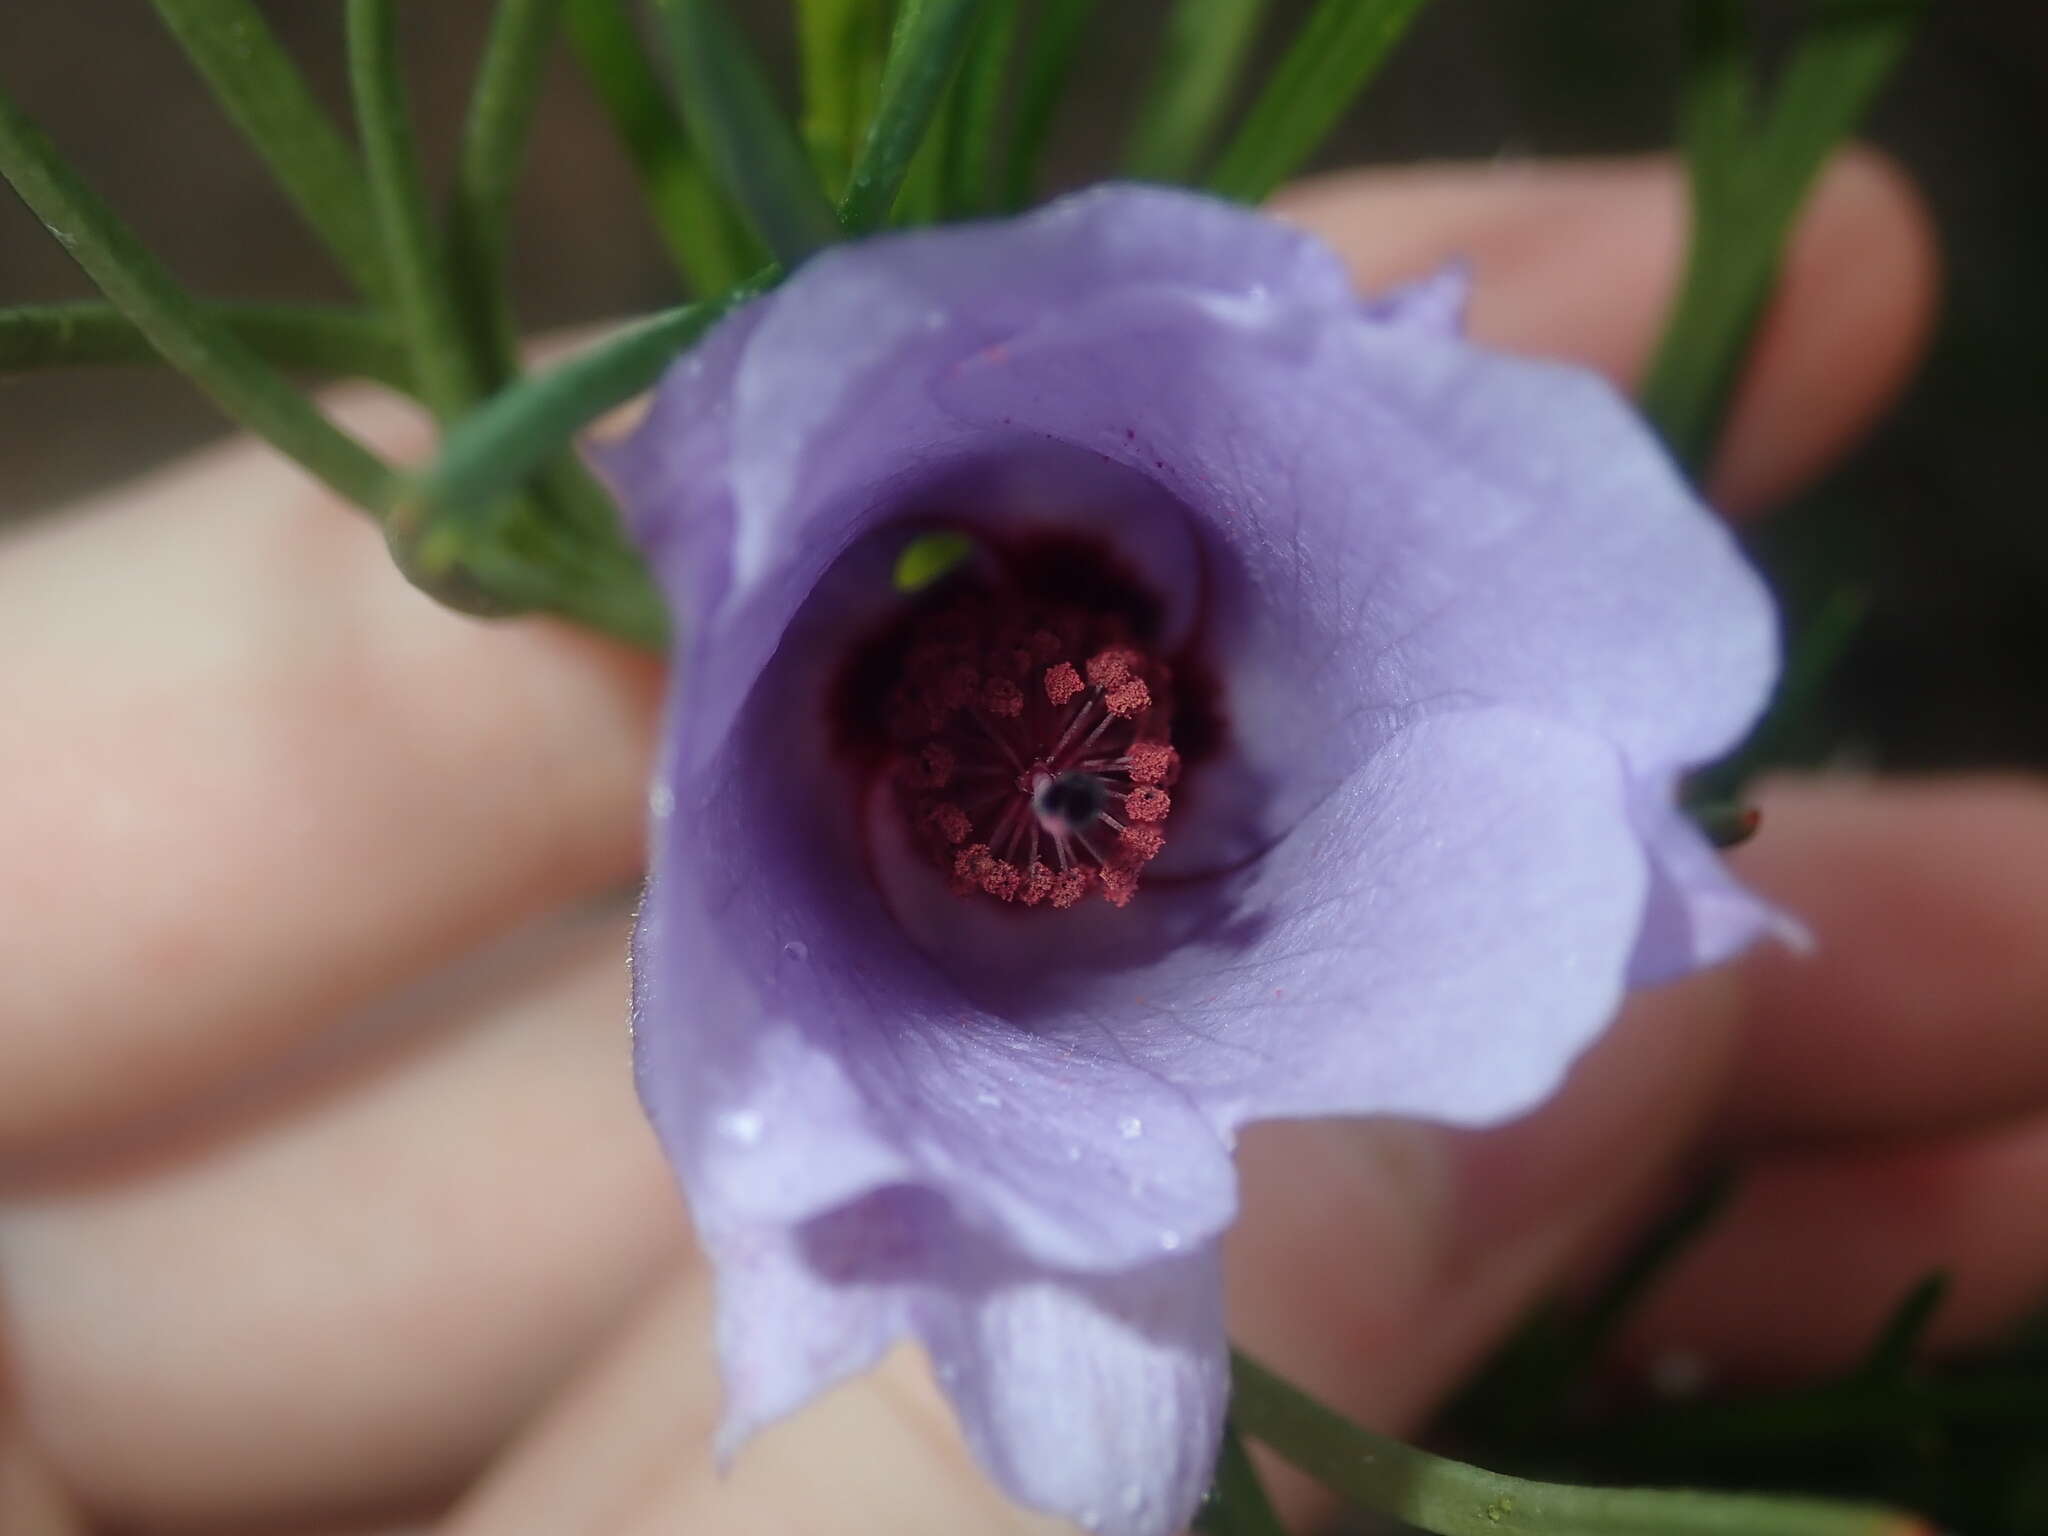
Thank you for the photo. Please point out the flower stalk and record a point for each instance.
(1450, 1498)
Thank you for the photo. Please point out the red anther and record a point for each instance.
(1129, 700)
(1070, 885)
(1026, 773)
(1038, 883)
(1002, 878)
(1147, 802)
(950, 822)
(958, 686)
(1139, 844)
(933, 766)
(1151, 762)
(1002, 698)
(1061, 684)
(1119, 885)
(1109, 669)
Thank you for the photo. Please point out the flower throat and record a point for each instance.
(1026, 726)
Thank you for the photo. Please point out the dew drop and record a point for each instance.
(1130, 1127)
(1169, 1241)
(661, 802)
(988, 1100)
(797, 950)
(744, 1126)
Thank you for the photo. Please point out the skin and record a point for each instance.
(262, 1272)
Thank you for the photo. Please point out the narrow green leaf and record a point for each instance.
(930, 38)
(266, 97)
(339, 342)
(746, 137)
(1450, 1498)
(1237, 1504)
(1055, 42)
(974, 112)
(424, 303)
(1199, 63)
(495, 448)
(494, 138)
(1890, 1356)
(1333, 58)
(707, 243)
(186, 335)
(1749, 173)
(842, 44)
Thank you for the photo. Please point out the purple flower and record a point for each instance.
(1300, 739)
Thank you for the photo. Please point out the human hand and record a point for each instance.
(261, 1271)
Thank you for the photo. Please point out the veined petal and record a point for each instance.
(1097, 1397)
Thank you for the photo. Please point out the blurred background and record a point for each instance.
(1933, 542)
(1925, 557)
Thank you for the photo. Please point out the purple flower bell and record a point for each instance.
(1300, 737)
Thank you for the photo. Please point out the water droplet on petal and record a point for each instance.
(1169, 1241)
(797, 950)
(1134, 1498)
(1130, 1127)
(744, 1126)
(988, 1100)
(661, 802)
(1073, 1152)
(1090, 1519)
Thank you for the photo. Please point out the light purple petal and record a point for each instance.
(1098, 1397)
(1698, 914)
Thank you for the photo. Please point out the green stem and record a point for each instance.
(266, 96)
(339, 342)
(1748, 178)
(708, 245)
(841, 44)
(931, 36)
(183, 332)
(487, 170)
(1199, 63)
(1450, 1498)
(496, 447)
(425, 308)
(1332, 59)
(747, 139)
(975, 113)
(1049, 56)
(1237, 1504)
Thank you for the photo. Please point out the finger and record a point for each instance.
(1801, 1273)
(251, 777)
(350, 1304)
(1922, 1005)
(1581, 260)
(627, 1453)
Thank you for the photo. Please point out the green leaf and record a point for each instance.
(445, 511)
(931, 36)
(1199, 64)
(974, 111)
(185, 334)
(1055, 41)
(1450, 1498)
(340, 342)
(1749, 173)
(842, 44)
(266, 97)
(707, 243)
(1333, 58)
(494, 139)
(1890, 1356)
(424, 303)
(746, 138)
(1237, 1504)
